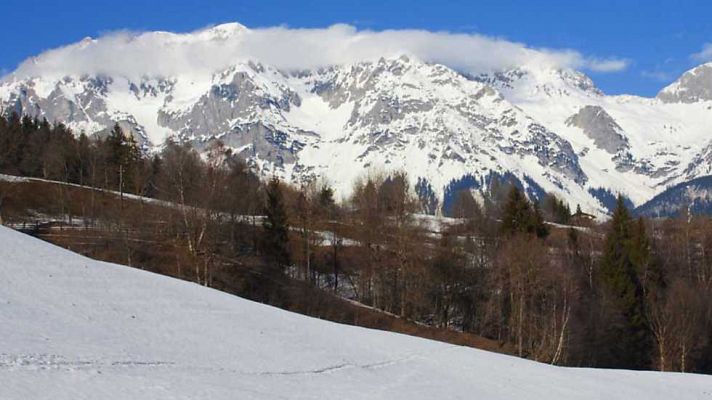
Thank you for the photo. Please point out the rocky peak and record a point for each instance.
(693, 86)
(537, 81)
(223, 31)
(598, 125)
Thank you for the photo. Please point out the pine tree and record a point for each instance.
(326, 197)
(465, 206)
(11, 147)
(130, 162)
(36, 151)
(520, 216)
(639, 247)
(648, 269)
(154, 170)
(276, 238)
(627, 338)
(115, 143)
(122, 155)
(517, 215)
(556, 209)
(536, 224)
(83, 150)
(113, 155)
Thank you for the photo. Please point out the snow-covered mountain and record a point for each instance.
(693, 196)
(550, 128)
(75, 328)
(632, 145)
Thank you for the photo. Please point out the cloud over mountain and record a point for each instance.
(137, 54)
(705, 54)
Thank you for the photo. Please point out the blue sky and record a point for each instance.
(658, 38)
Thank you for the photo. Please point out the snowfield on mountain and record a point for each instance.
(75, 328)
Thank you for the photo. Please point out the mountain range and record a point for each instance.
(548, 128)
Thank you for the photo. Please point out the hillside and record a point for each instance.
(694, 195)
(74, 328)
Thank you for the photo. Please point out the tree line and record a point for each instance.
(624, 293)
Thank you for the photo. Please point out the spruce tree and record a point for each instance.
(83, 150)
(520, 216)
(131, 157)
(536, 224)
(465, 206)
(563, 213)
(122, 155)
(639, 247)
(627, 337)
(326, 197)
(517, 214)
(276, 238)
(648, 269)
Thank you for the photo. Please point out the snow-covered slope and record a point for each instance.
(548, 127)
(693, 196)
(628, 144)
(74, 328)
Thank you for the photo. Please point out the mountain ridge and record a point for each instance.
(549, 126)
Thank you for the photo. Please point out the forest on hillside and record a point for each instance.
(546, 283)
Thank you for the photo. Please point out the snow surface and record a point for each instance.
(75, 328)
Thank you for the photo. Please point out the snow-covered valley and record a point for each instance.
(75, 328)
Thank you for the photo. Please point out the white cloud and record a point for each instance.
(658, 75)
(607, 65)
(705, 54)
(134, 54)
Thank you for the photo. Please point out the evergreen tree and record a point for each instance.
(517, 214)
(326, 197)
(536, 224)
(154, 170)
(113, 156)
(276, 236)
(520, 216)
(627, 337)
(11, 147)
(426, 196)
(36, 151)
(115, 143)
(556, 209)
(465, 206)
(131, 164)
(648, 269)
(83, 150)
(122, 154)
(639, 247)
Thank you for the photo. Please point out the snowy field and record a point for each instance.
(74, 328)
